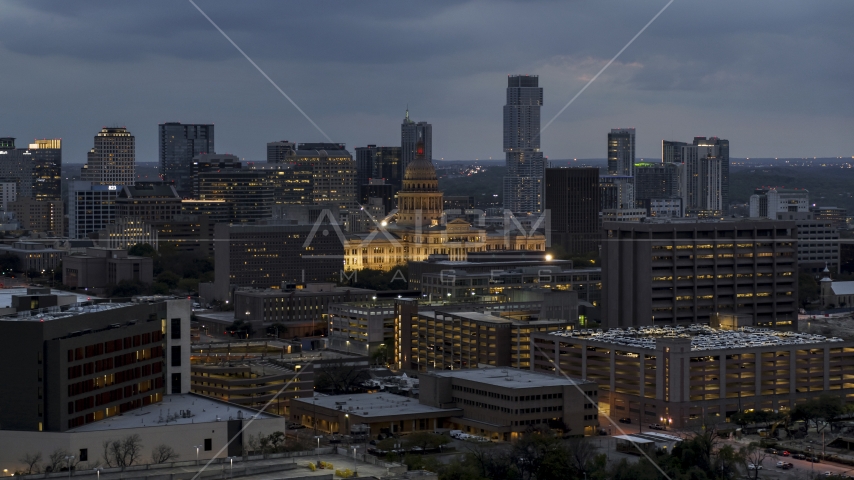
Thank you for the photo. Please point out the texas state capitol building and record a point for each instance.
(419, 229)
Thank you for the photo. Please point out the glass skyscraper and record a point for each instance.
(36, 170)
(526, 167)
(179, 143)
(410, 132)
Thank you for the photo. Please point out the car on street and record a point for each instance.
(657, 426)
(785, 453)
(626, 420)
(799, 456)
(751, 466)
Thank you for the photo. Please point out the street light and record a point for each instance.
(318, 449)
(98, 472)
(197, 447)
(355, 466)
(231, 473)
(69, 458)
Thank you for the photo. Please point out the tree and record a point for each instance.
(31, 460)
(169, 278)
(9, 262)
(382, 355)
(727, 463)
(127, 288)
(425, 440)
(808, 411)
(142, 250)
(493, 463)
(277, 329)
(753, 454)
(581, 454)
(242, 328)
(189, 285)
(56, 461)
(831, 408)
(163, 453)
(808, 289)
(122, 453)
(339, 376)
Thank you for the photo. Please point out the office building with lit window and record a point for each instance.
(685, 271)
(526, 166)
(467, 335)
(36, 170)
(361, 327)
(179, 144)
(380, 163)
(77, 364)
(91, 207)
(621, 152)
(681, 375)
(247, 194)
(112, 161)
(302, 310)
(270, 256)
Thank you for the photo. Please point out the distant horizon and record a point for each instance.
(501, 160)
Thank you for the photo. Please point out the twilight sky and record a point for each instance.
(775, 77)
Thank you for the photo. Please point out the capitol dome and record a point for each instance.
(420, 175)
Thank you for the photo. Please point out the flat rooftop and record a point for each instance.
(6, 295)
(510, 377)
(703, 337)
(374, 404)
(60, 312)
(195, 409)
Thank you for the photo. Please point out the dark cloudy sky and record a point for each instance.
(776, 77)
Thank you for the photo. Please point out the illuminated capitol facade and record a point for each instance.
(420, 230)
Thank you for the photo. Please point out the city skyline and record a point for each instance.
(660, 85)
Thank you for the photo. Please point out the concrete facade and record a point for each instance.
(683, 272)
(671, 382)
(302, 311)
(101, 267)
(68, 371)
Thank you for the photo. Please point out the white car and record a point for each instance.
(751, 466)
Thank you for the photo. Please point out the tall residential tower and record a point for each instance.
(621, 151)
(526, 167)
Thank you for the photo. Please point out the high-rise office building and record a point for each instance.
(35, 170)
(410, 132)
(688, 271)
(572, 200)
(280, 152)
(621, 151)
(656, 180)
(671, 152)
(373, 162)
(112, 161)
(334, 174)
(91, 207)
(526, 167)
(179, 144)
(248, 194)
